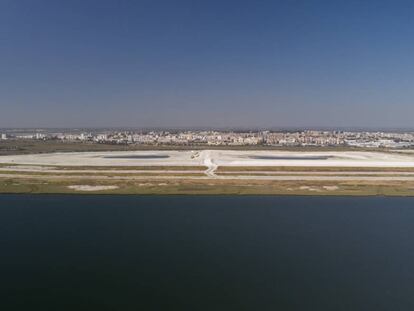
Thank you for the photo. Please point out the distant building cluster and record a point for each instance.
(228, 138)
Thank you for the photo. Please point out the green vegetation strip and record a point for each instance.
(225, 187)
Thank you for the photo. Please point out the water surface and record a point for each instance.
(206, 253)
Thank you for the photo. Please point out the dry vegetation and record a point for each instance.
(190, 184)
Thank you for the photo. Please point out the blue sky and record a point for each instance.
(206, 63)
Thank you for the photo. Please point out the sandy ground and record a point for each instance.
(42, 169)
(209, 172)
(214, 158)
(236, 177)
(92, 188)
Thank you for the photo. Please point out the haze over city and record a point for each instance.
(206, 64)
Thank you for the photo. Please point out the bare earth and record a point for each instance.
(216, 158)
(350, 172)
(91, 188)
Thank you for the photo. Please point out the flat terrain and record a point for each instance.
(215, 158)
(210, 172)
(21, 146)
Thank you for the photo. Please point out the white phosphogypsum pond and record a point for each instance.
(216, 158)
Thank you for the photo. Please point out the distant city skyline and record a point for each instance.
(396, 140)
(207, 64)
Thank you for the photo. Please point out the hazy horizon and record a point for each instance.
(206, 64)
(223, 129)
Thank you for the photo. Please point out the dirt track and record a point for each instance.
(210, 177)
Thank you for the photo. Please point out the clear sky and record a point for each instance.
(227, 63)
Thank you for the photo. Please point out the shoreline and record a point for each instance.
(88, 194)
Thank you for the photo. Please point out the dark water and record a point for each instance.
(291, 157)
(206, 253)
(146, 156)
